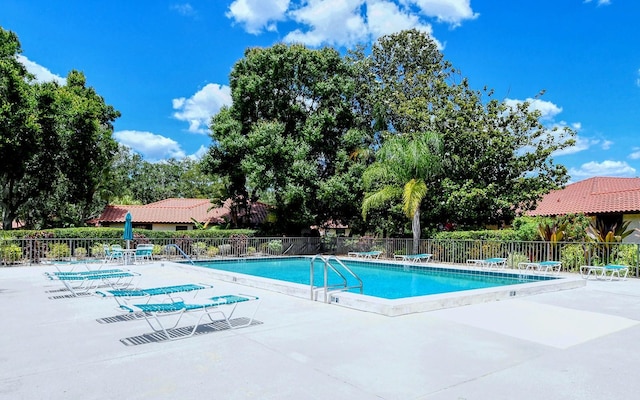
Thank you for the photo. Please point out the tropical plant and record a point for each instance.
(552, 233)
(606, 235)
(404, 169)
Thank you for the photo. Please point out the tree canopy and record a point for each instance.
(288, 134)
(304, 125)
(56, 144)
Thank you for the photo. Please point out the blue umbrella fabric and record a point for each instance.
(128, 229)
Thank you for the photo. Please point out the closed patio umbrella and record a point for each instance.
(128, 229)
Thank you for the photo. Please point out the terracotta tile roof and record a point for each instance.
(597, 195)
(178, 211)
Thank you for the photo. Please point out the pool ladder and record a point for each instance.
(180, 251)
(327, 289)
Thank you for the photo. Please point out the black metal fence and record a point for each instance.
(572, 254)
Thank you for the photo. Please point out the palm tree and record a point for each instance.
(403, 169)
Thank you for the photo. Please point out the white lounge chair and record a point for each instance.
(604, 271)
(545, 267)
(224, 306)
(365, 254)
(426, 257)
(489, 263)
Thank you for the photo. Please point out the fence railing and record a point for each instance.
(572, 254)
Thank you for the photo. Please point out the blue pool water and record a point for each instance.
(385, 280)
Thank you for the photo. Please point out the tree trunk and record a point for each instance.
(415, 228)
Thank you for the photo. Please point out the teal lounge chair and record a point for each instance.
(123, 296)
(489, 263)
(224, 306)
(80, 284)
(426, 257)
(615, 270)
(545, 267)
(365, 254)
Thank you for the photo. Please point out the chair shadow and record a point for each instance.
(185, 331)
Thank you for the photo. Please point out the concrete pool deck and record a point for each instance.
(570, 344)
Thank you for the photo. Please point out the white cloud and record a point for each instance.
(151, 146)
(385, 17)
(330, 21)
(184, 9)
(41, 73)
(258, 15)
(199, 108)
(600, 2)
(605, 168)
(450, 11)
(547, 109)
(635, 155)
(346, 22)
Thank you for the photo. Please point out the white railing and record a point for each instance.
(572, 254)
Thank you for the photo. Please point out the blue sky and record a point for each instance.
(165, 64)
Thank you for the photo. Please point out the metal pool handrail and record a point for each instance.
(339, 287)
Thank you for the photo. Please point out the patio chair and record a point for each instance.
(489, 263)
(426, 257)
(113, 253)
(365, 254)
(123, 296)
(82, 283)
(155, 313)
(543, 266)
(53, 275)
(616, 270)
(604, 271)
(143, 252)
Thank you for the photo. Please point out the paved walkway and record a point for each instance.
(573, 344)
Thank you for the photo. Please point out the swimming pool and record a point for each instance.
(390, 288)
(385, 280)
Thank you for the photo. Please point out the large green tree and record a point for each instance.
(289, 135)
(23, 141)
(56, 145)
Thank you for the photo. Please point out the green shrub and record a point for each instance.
(80, 252)
(97, 250)
(275, 246)
(626, 255)
(212, 251)
(573, 256)
(10, 253)
(58, 251)
(199, 248)
(516, 258)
